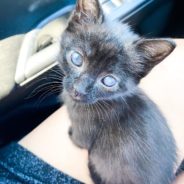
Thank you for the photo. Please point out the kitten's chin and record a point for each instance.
(81, 101)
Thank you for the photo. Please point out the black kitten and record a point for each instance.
(127, 137)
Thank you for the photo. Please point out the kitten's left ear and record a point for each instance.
(152, 52)
(87, 12)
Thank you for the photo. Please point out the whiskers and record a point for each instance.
(111, 111)
(46, 86)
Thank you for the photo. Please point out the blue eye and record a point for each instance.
(76, 59)
(109, 81)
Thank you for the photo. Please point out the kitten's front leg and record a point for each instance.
(94, 175)
(74, 138)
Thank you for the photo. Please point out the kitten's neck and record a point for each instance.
(108, 110)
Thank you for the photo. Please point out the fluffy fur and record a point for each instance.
(127, 137)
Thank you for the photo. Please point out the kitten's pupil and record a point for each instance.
(76, 59)
(109, 81)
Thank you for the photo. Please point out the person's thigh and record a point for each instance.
(179, 179)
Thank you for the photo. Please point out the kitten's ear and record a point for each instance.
(86, 12)
(152, 52)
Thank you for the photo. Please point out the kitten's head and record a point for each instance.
(102, 60)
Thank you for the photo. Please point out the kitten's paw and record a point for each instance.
(74, 140)
(94, 175)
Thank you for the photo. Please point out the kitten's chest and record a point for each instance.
(84, 117)
(92, 118)
(86, 126)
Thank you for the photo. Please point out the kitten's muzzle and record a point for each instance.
(78, 96)
(80, 89)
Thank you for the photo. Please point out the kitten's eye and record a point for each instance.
(109, 81)
(76, 59)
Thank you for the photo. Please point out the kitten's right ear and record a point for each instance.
(86, 12)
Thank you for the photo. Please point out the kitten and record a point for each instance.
(126, 136)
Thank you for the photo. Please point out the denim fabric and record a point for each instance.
(19, 166)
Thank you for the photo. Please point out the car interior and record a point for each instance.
(30, 79)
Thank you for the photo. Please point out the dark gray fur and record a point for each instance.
(128, 139)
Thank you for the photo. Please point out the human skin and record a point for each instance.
(179, 179)
(164, 85)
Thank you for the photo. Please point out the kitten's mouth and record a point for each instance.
(79, 98)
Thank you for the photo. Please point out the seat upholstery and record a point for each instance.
(9, 51)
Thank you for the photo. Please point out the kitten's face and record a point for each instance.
(98, 64)
(95, 66)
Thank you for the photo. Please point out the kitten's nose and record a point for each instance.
(76, 94)
(81, 87)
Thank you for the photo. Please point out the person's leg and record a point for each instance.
(50, 142)
(179, 179)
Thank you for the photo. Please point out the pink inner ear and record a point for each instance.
(88, 11)
(164, 49)
(151, 52)
(156, 50)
